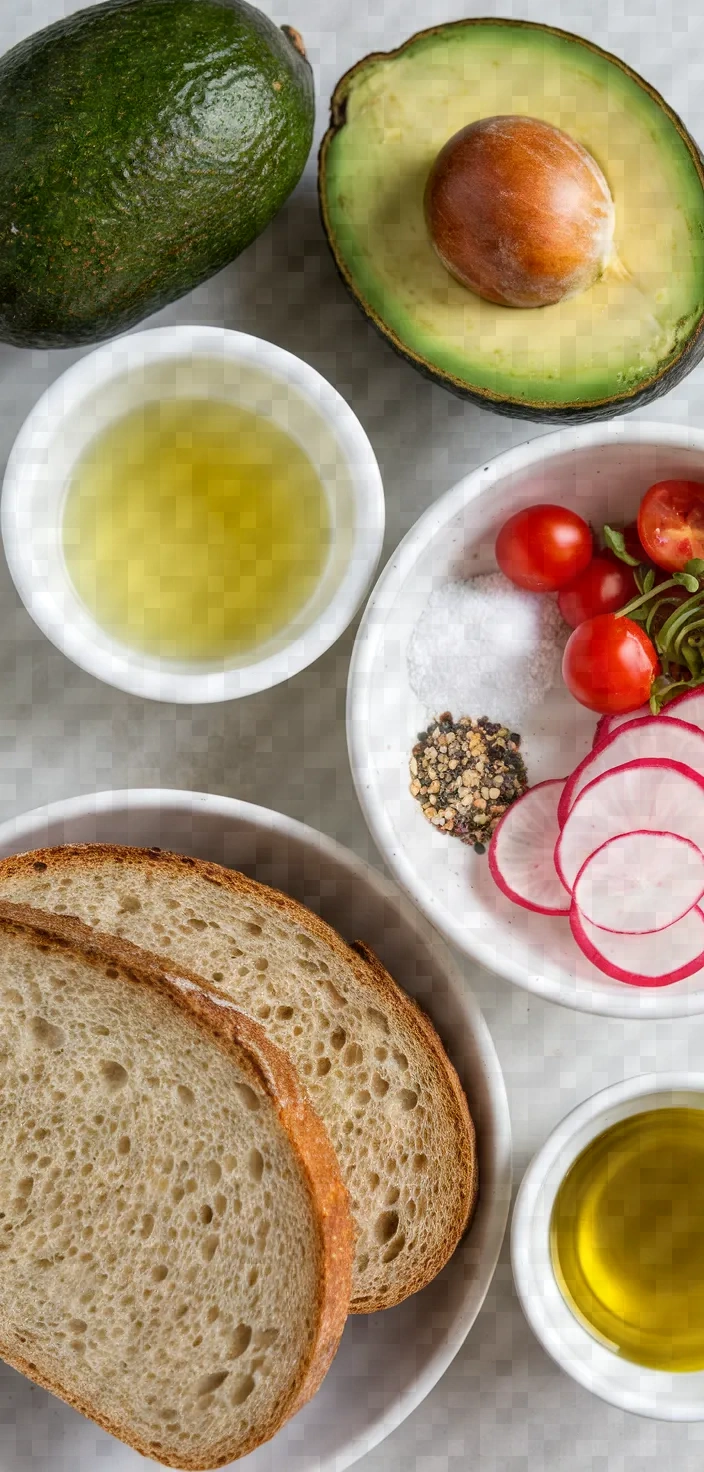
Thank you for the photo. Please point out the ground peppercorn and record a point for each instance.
(465, 774)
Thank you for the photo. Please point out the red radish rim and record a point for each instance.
(650, 762)
(683, 699)
(644, 721)
(496, 874)
(633, 832)
(608, 968)
(601, 731)
(565, 804)
(605, 724)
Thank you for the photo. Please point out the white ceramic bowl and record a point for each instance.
(387, 1362)
(601, 471)
(177, 362)
(666, 1397)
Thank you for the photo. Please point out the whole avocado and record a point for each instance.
(143, 145)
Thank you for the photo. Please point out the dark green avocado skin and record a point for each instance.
(561, 415)
(143, 145)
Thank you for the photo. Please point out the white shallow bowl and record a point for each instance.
(189, 362)
(601, 471)
(387, 1362)
(665, 1397)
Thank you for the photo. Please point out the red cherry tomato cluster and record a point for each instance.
(609, 662)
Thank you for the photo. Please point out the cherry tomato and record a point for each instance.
(609, 664)
(543, 547)
(605, 586)
(671, 522)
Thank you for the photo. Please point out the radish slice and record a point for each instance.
(640, 882)
(689, 706)
(654, 794)
(644, 960)
(640, 738)
(606, 725)
(522, 851)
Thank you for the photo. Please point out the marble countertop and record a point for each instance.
(503, 1406)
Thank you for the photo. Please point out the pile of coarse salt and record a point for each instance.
(485, 648)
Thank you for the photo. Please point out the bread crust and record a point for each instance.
(464, 1144)
(370, 971)
(239, 1037)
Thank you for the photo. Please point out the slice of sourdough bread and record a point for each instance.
(175, 1239)
(373, 1065)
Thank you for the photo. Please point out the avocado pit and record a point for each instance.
(519, 212)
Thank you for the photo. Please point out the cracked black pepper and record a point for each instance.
(465, 774)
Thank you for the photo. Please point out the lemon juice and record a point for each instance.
(195, 529)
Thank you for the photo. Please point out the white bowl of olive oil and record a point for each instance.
(607, 1245)
(192, 514)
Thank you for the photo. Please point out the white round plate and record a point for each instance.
(602, 472)
(387, 1362)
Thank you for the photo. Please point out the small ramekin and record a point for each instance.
(189, 362)
(655, 1393)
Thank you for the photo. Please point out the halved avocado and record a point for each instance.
(627, 339)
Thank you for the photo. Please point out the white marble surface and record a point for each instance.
(503, 1406)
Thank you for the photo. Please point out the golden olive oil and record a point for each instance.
(627, 1238)
(194, 529)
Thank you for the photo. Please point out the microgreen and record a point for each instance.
(616, 543)
(673, 621)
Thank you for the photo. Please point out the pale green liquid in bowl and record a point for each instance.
(195, 530)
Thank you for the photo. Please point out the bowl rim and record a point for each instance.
(21, 833)
(360, 689)
(565, 1142)
(149, 676)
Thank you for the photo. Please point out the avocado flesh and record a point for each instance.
(143, 145)
(399, 111)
